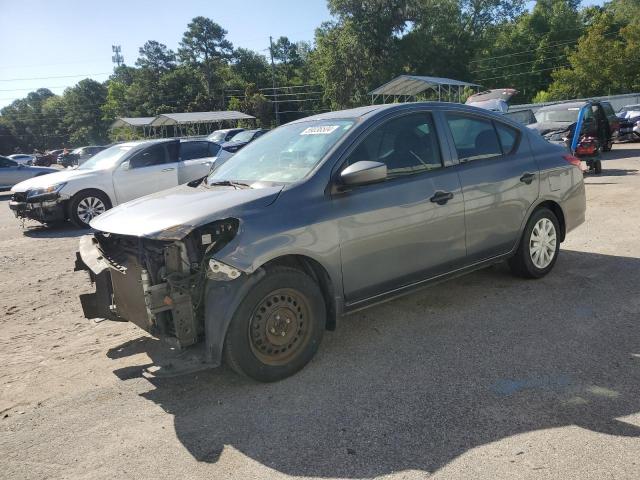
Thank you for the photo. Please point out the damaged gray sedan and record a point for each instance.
(325, 216)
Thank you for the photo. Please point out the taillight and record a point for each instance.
(573, 161)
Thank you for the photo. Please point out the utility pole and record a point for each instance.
(117, 57)
(273, 78)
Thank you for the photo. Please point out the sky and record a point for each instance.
(73, 38)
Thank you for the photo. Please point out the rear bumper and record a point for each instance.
(43, 210)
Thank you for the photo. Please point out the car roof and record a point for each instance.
(363, 113)
(564, 106)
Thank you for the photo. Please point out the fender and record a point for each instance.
(221, 302)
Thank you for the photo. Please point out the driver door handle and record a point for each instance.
(441, 197)
(527, 178)
(168, 169)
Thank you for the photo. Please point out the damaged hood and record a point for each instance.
(550, 127)
(172, 214)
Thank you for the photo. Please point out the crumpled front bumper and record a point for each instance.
(44, 209)
(89, 258)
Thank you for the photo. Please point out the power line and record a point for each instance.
(523, 73)
(533, 50)
(518, 64)
(58, 76)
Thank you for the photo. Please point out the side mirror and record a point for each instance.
(125, 165)
(363, 172)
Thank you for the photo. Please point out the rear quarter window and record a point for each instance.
(508, 136)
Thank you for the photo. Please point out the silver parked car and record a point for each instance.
(22, 158)
(12, 172)
(325, 216)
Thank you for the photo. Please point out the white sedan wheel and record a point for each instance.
(89, 208)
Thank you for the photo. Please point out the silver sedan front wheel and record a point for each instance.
(542, 244)
(87, 205)
(90, 207)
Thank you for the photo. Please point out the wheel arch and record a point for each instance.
(93, 190)
(319, 274)
(557, 211)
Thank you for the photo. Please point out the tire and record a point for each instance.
(285, 297)
(87, 205)
(525, 263)
(597, 167)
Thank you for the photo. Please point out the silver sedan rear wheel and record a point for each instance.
(542, 244)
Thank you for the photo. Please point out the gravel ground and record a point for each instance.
(485, 376)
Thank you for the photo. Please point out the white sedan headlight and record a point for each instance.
(52, 189)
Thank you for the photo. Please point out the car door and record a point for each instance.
(499, 178)
(195, 160)
(147, 171)
(409, 227)
(9, 173)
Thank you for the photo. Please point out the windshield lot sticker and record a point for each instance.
(324, 130)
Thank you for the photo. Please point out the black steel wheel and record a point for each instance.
(278, 327)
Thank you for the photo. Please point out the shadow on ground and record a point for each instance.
(415, 383)
(55, 230)
(618, 153)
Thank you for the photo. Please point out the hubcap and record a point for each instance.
(89, 208)
(542, 245)
(279, 326)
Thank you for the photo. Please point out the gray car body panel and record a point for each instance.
(317, 229)
(375, 241)
(10, 176)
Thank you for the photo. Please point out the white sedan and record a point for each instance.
(114, 176)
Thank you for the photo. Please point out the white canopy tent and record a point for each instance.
(191, 122)
(406, 87)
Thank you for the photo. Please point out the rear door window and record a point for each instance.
(474, 137)
(193, 150)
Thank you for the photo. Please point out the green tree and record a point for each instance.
(204, 44)
(156, 57)
(83, 114)
(25, 119)
(590, 72)
(250, 67)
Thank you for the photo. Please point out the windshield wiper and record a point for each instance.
(230, 183)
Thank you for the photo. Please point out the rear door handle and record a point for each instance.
(168, 169)
(527, 178)
(441, 197)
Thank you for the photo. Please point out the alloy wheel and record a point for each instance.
(89, 208)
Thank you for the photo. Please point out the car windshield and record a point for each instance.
(243, 136)
(286, 155)
(218, 136)
(561, 114)
(106, 158)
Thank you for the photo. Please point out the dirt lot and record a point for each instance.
(486, 376)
